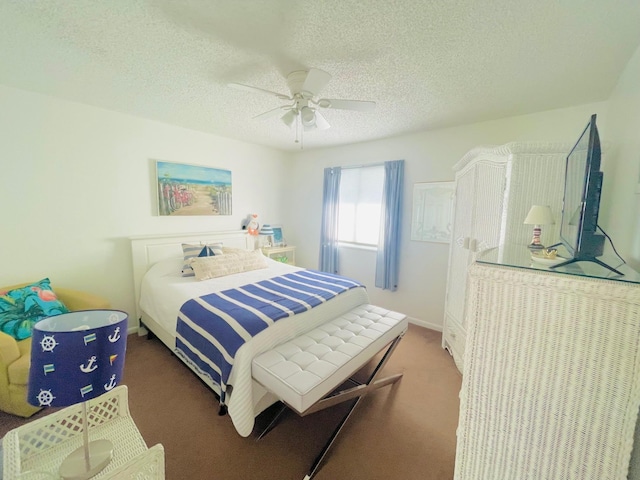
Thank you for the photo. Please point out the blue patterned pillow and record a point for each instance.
(22, 307)
(193, 251)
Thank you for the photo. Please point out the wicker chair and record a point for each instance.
(15, 356)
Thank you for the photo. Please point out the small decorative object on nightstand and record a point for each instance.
(538, 215)
(282, 254)
(278, 236)
(266, 235)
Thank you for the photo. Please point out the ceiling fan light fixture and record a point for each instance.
(288, 118)
(305, 110)
(307, 116)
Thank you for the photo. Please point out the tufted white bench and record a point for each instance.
(305, 371)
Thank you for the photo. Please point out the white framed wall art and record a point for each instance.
(431, 217)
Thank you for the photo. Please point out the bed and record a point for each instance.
(161, 291)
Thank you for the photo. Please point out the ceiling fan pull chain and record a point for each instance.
(297, 127)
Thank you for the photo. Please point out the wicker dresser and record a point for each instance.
(551, 379)
(494, 189)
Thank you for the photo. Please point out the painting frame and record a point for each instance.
(278, 236)
(194, 190)
(432, 214)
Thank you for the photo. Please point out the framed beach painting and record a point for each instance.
(432, 212)
(185, 189)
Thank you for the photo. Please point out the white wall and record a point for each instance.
(622, 180)
(621, 185)
(429, 157)
(622, 200)
(77, 181)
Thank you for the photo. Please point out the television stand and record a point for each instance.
(587, 259)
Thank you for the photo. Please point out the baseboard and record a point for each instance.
(133, 329)
(421, 323)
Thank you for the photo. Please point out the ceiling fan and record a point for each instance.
(303, 104)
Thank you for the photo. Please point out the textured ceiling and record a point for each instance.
(427, 64)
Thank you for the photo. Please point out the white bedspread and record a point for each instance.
(164, 290)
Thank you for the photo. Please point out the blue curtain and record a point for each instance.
(329, 227)
(387, 261)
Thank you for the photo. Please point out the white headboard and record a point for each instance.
(149, 249)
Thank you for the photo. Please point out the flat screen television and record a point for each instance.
(581, 203)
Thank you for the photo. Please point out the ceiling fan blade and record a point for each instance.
(316, 80)
(321, 122)
(270, 113)
(359, 105)
(249, 88)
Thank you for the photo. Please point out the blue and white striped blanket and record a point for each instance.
(213, 327)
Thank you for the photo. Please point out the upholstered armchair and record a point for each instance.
(15, 356)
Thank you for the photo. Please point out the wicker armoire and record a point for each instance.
(495, 187)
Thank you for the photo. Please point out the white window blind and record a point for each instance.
(360, 204)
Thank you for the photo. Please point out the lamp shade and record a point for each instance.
(539, 215)
(266, 230)
(76, 356)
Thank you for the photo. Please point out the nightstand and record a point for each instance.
(281, 254)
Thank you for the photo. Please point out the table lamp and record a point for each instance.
(75, 357)
(538, 215)
(267, 231)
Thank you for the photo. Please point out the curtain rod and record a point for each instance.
(379, 164)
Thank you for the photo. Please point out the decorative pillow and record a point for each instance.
(22, 307)
(248, 256)
(217, 266)
(254, 260)
(191, 251)
(237, 251)
(227, 264)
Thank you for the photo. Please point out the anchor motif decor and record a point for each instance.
(76, 356)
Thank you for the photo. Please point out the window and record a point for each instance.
(360, 204)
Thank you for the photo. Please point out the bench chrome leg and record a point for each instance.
(359, 392)
(356, 394)
(273, 421)
(334, 436)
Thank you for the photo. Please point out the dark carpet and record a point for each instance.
(405, 431)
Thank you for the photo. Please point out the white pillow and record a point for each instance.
(254, 260)
(238, 251)
(167, 267)
(227, 264)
